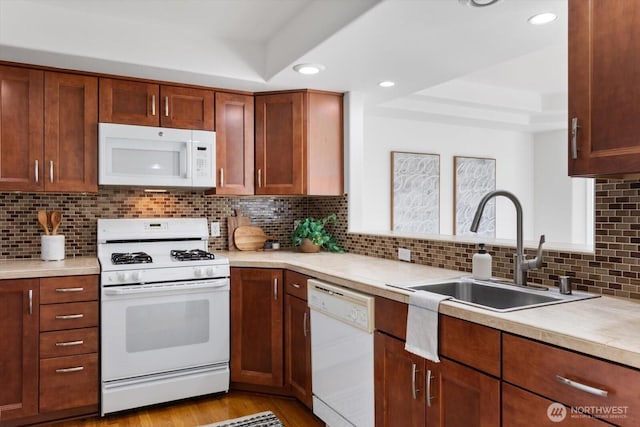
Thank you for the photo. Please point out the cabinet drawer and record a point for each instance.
(523, 409)
(295, 284)
(474, 345)
(68, 289)
(391, 317)
(68, 382)
(537, 367)
(68, 343)
(55, 317)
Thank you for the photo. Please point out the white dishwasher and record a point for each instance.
(341, 355)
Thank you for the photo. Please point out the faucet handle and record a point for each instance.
(536, 262)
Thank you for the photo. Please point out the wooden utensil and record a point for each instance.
(44, 221)
(56, 218)
(234, 222)
(249, 238)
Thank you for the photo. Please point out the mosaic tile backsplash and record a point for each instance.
(614, 268)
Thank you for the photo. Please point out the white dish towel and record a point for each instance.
(422, 324)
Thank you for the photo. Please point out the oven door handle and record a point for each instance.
(163, 288)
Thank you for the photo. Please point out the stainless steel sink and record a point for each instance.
(498, 296)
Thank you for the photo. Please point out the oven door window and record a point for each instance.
(171, 324)
(143, 334)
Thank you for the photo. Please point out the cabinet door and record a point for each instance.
(604, 87)
(256, 326)
(186, 108)
(21, 129)
(298, 348)
(130, 103)
(280, 154)
(399, 384)
(461, 396)
(18, 348)
(71, 133)
(234, 143)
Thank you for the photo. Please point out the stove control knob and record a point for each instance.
(198, 271)
(136, 276)
(211, 271)
(123, 276)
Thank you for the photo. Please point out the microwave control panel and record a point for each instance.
(204, 160)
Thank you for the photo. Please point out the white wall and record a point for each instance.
(513, 152)
(564, 205)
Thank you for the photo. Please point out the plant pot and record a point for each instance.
(308, 246)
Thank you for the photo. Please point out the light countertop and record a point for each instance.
(28, 268)
(605, 327)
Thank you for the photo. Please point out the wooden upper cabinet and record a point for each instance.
(71, 133)
(280, 161)
(21, 129)
(131, 103)
(604, 87)
(234, 144)
(18, 348)
(48, 131)
(186, 108)
(299, 143)
(149, 104)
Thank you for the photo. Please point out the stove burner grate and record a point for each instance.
(131, 258)
(191, 255)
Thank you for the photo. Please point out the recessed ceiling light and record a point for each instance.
(308, 68)
(386, 83)
(542, 18)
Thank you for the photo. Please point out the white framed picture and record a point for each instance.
(473, 178)
(415, 192)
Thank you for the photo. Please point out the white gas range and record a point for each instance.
(165, 312)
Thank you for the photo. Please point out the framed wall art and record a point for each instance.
(415, 192)
(473, 178)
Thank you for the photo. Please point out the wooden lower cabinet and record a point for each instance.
(69, 371)
(18, 349)
(461, 396)
(521, 408)
(298, 348)
(257, 305)
(297, 337)
(399, 384)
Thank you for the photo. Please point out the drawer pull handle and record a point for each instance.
(582, 387)
(275, 289)
(69, 343)
(69, 316)
(67, 370)
(295, 285)
(69, 289)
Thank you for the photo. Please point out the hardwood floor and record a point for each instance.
(196, 412)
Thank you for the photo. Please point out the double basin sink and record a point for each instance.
(497, 296)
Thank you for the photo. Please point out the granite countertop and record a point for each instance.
(604, 327)
(28, 268)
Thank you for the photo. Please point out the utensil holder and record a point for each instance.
(52, 247)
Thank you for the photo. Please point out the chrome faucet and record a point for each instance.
(520, 263)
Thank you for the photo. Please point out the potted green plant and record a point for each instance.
(311, 235)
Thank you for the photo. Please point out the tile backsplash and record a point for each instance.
(614, 268)
(21, 231)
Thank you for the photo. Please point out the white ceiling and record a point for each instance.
(483, 66)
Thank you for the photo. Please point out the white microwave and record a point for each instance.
(156, 157)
